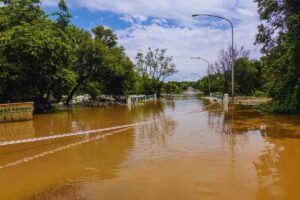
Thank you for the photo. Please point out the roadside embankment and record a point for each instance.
(108, 100)
(103, 100)
(242, 100)
(251, 100)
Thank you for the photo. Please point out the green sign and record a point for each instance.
(15, 110)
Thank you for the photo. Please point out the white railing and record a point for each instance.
(137, 98)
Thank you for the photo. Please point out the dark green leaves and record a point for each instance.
(280, 37)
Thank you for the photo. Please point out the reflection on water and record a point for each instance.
(194, 151)
(17, 130)
(277, 166)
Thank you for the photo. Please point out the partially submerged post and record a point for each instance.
(13, 112)
(128, 100)
(226, 102)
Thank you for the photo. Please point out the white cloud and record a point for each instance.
(184, 42)
(188, 37)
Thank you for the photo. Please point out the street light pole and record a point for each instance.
(199, 58)
(232, 46)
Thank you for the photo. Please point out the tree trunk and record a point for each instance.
(70, 96)
(74, 90)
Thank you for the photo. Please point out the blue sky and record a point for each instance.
(168, 24)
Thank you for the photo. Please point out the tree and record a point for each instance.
(249, 76)
(156, 66)
(35, 64)
(106, 36)
(64, 15)
(280, 37)
(119, 76)
(214, 81)
(224, 65)
(171, 88)
(101, 66)
(89, 58)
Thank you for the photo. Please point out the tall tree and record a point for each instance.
(156, 66)
(280, 36)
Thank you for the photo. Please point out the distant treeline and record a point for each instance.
(177, 87)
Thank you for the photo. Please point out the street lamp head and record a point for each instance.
(204, 14)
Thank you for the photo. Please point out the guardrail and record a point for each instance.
(137, 98)
(217, 96)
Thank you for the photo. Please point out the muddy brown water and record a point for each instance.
(207, 154)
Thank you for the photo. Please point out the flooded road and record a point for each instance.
(180, 154)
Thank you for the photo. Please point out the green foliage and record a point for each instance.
(106, 36)
(175, 87)
(172, 88)
(184, 85)
(280, 37)
(42, 60)
(143, 85)
(19, 12)
(35, 57)
(101, 63)
(213, 83)
(119, 78)
(249, 77)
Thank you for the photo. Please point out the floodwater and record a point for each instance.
(206, 154)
